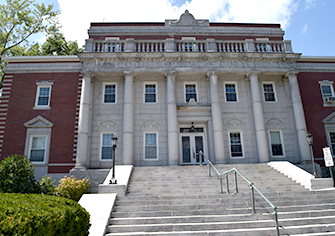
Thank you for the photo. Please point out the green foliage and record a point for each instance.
(41, 215)
(17, 175)
(72, 188)
(47, 185)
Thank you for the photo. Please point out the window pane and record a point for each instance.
(110, 88)
(110, 93)
(107, 140)
(332, 137)
(150, 97)
(37, 155)
(275, 137)
(326, 91)
(38, 143)
(151, 152)
(230, 88)
(150, 139)
(110, 98)
(150, 88)
(268, 88)
(231, 97)
(190, 95)
(277, 150)
(190, 88)
(236, 145)
(107, 153)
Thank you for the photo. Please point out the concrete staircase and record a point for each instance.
(183, 200)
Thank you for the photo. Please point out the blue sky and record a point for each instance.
(308, 23)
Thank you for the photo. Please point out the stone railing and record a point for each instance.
(172, 45)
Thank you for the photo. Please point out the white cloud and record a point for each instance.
(304, 29)
(76, 16)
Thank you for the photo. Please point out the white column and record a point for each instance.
(299, 117)
(216, 117)
(128, 119)
(261, 138)
(172, 122)
(83, 126)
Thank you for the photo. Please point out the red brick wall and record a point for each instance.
(63, 103)
(314, 110)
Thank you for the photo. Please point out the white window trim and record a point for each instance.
(150, 83)
(103, 93)
(274, 91)
(100, 151)
(46, 153)
(157, 144)
(327, 83)
(282, 142)
(44, 84)
(236, 88)
(196, 91)
(242, 144)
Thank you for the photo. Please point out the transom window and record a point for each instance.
(150, 145)
(236, 149)
(269, 92)
(37, 148)
(231, 92)
(43, 95)
(190, 92)
(109, 95)
(150, 93)
(276, 143)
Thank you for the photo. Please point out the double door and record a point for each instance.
(191, 144)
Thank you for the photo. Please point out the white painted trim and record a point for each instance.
(103, 93)
(236, 89)
(196, 90)
(157, 145)
(40, 58)
(274, 91)
(156, 92)
(242, 144)
(281, 141)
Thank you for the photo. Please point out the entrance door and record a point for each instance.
(191, 144)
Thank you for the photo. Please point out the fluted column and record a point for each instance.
(216, 117)
(128, 119)
(261, 138)
(172, 122)
(83, 125)
(299, 117)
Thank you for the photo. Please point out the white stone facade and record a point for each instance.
(241, 131)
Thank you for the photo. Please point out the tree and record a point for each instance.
(20, 19)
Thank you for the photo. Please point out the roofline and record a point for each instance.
(72, 58)
(317, 59)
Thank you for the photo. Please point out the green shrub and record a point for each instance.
(17, 175)
(71, 187)
(47, 185)
(41, 215)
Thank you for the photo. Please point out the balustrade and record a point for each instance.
(171, 45)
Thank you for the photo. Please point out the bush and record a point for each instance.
(41, 215)
(72, 188)
(17, 175)
(47, 185)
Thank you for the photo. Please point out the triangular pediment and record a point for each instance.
(38, 122)
(187, 19)
(329, 119)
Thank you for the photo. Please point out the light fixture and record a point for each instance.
(114, 145)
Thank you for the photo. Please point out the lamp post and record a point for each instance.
(309, 137)
(114, 145)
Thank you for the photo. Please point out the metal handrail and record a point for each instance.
(252, 187)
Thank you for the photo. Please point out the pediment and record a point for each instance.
(329, 119)
(38, 122)
(187, 19)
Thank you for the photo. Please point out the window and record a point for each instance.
(151, 146)
(37, 148)
(269, 92)
(191, 92)
(109, 94)
(231, 92)
(106, 146)
(277, 149)
(236, 149)
(43, 95)
(150, 93)
(332, 141)
(327, 92)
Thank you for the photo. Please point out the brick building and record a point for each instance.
(167, 90)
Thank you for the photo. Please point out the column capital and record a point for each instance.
(128, 73)
(252, 73)
(212, 73)
(291, 73)
(170, 73)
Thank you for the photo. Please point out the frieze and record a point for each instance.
(106, 64)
